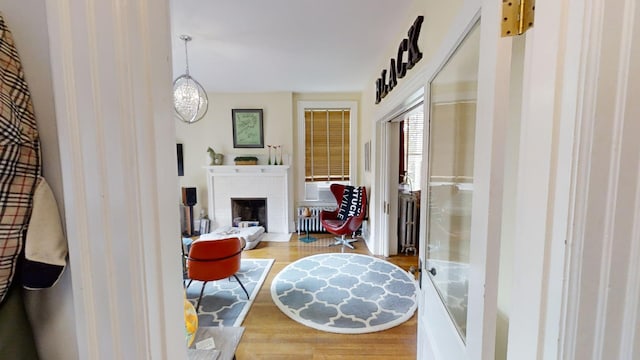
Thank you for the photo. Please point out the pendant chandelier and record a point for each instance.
(189, 97)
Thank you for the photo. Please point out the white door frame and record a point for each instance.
(393, 166)
(378, 213)
(386, 188)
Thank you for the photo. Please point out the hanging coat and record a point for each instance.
(20, 164)
(29, 218)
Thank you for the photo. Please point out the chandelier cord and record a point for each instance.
(186, 53)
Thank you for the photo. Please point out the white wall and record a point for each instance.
(216, 131)
(51, 309)
(438, 17)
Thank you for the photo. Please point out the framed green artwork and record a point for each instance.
(248, 131)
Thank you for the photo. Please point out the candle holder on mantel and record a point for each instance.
(276, 158)
(280, 150)
(281, 157)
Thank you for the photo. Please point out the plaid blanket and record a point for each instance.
(20, 163)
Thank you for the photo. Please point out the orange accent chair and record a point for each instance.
(211, 260)
(349, 224)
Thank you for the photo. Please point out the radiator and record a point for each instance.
(311, 223)
(408, 221)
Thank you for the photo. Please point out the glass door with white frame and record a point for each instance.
(466, 112)
(467, 104)
(450, 177)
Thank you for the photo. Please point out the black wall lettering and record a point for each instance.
(393, 79)
(401, 66)
(414, 51)
(398, 67)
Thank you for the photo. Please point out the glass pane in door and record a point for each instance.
(450, 176)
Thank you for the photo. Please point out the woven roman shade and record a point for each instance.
(327, 145)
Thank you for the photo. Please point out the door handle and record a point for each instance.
(413, 270)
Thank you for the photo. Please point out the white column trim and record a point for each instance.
(601, 309)
(613, 180)
(565, 190)
(632, 298)
(581, 29)
(111, 78)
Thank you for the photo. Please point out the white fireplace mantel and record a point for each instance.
(250, 181)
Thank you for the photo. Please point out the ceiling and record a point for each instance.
(287, 45)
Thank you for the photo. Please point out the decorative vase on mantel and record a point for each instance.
(278, 155)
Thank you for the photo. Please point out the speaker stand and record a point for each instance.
(189, 231)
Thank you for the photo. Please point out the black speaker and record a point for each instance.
(189, 197)
(180, 160)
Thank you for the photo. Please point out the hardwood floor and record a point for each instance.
(269, 334)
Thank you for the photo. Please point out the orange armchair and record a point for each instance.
(211, 260)
(348, 217)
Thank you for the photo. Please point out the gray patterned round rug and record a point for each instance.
(345, 293)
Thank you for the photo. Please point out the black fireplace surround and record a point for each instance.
(250, 209)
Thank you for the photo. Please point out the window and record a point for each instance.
(326, 141)
(413, 133)
(325, 133)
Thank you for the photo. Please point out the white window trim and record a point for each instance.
(353, 138)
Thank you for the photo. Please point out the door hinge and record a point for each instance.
(517, 16)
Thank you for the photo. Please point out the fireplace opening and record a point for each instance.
(250, 209)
